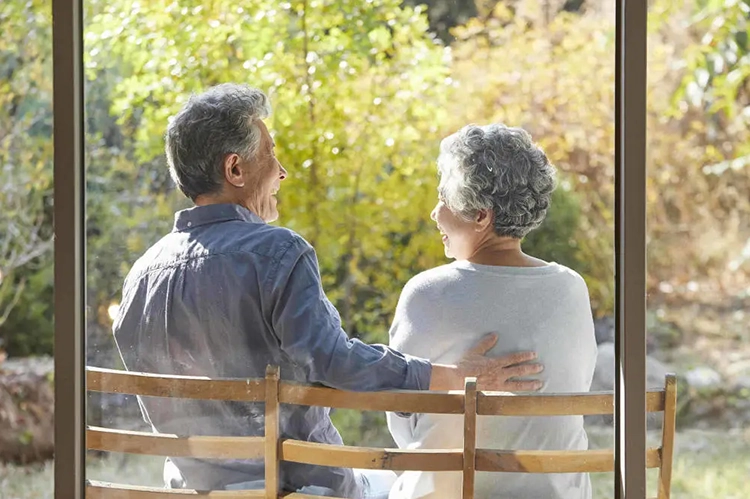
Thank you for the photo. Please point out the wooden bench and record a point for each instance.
(273, 449)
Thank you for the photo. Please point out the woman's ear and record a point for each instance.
(483, 220)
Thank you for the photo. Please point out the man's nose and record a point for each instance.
(282, 172)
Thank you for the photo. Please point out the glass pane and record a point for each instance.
(699, 238)
(130, 204)
(26, 250)
(362, 94)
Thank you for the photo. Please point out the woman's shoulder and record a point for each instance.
(434, 280)
(570, 275)
(419, 325)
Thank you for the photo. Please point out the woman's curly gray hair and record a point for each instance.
(496, 168)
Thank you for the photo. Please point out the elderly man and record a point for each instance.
(224, 294)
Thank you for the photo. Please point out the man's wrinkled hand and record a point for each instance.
(497, 374)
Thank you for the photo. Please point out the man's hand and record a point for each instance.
(492, 374)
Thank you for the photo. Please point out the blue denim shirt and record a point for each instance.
(224, 295)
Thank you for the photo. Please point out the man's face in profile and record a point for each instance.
(265, 174)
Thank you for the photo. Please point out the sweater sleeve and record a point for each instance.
(419, 314)
(415, 318)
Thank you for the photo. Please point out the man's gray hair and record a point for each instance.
(496, 168)
(211, 125)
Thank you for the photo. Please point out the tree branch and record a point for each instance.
(10, 306)
(312, 200)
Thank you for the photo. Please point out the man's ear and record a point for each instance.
(483, 219)
(233, 172)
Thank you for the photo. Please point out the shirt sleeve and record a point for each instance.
(308, 328)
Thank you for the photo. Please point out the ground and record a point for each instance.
(710, 340)
(707, 465)
(691, 333)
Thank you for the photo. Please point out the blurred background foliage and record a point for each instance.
(362, 92)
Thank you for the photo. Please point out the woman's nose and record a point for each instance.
(433, 214)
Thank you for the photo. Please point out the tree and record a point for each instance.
(556, 80)
(698, 226)
(524, 71)
(718, 69)
(717, 81)
(128, 205)
(25, 148)
(358, 90)
(24, 239)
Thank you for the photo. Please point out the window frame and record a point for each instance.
(630, 249)
(70, 249)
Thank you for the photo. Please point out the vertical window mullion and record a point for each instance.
(70, 283)
(630, 248)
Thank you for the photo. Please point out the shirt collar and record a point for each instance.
(213, 213)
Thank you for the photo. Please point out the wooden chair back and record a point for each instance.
(470, 402)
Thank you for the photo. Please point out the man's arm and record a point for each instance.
(308, 328)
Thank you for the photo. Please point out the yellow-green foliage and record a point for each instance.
(556, 80)
(359, 90)
(362, 94)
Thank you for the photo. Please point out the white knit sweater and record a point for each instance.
(443, 312)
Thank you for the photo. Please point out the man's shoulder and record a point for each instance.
(152, 256)
(263, 240)
(272, 241)
(232, 240)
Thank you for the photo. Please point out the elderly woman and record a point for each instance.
(495, 187)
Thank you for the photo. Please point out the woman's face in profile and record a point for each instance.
(459, 236)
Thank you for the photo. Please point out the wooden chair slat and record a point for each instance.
(470, 438)
(191, 387)
(163, 444)
(370, 457)
(567, 404)
(297, 495)
(272, 433)
(667, 439)
(584, 461)
(106, 490)
(395, 401)
(273, 392)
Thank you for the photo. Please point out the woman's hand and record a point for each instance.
(493, 374)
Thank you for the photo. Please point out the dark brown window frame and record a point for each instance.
(70, 249)
(630, 248)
